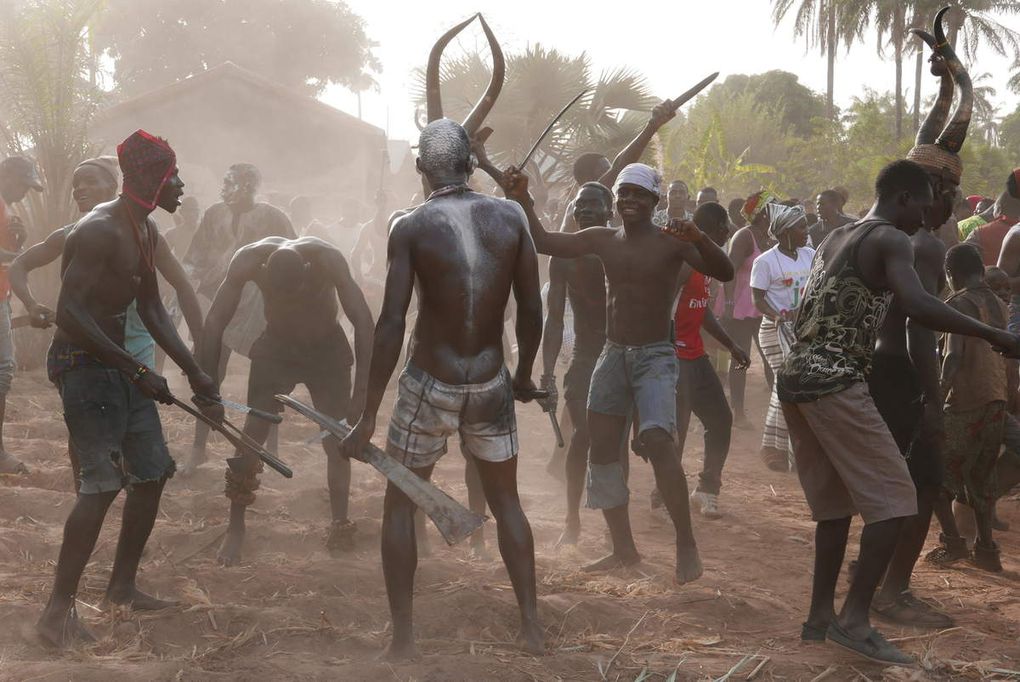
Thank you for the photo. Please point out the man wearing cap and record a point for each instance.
(638, 369)
(108, 396)
(96, 181)
(17, 176)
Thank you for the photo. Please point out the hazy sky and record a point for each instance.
(673, 44)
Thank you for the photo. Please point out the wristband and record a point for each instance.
(139, 373)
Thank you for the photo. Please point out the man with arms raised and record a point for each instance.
(638, 367)
(464, 252)
(300, 281)
(108, 262)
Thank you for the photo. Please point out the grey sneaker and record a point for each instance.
(707, 504)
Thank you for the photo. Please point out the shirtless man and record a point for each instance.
(582, 281)
(108, 396)
(464, 252)
(95, 182)
(300, 281)
(905, 385)
(638, 368)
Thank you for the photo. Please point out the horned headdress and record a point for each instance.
(938, 144)
(433, 96)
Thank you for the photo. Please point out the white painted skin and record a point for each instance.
(458, 218)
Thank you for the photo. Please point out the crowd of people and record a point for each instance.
(888, 343)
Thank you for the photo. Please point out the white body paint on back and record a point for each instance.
(458, 216)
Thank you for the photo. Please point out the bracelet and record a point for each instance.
(139, 373)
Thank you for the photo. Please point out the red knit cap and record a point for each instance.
(146, 162)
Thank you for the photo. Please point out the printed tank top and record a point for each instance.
(836, 327)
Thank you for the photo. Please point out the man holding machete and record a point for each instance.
(300, 281)
(464, 252)
(108, 396)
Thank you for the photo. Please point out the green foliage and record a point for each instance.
(303, 44)
(46, 97)
(539, 82)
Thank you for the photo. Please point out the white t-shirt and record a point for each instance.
(782, 278)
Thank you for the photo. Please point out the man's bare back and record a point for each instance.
(463, 250)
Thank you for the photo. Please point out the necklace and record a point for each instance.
(146, 247)
(459, 188)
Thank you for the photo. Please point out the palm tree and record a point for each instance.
(985, 121)
(824, 23)
(46, 103)
(969, 24)
(890, 18)
(538, 83)
(46, 98)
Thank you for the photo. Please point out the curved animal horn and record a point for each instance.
(433, 96)
(936, 119)
(485, 104)
(955, 133)
(417, 119)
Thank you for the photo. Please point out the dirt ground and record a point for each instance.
(293, 612)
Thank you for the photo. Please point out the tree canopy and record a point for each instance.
(303, 44)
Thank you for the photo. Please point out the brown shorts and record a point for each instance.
(847, 459)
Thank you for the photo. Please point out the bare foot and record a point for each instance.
(401, 652)
(230, 550)
(532, 639)
(341, 537)
(570, 534)
(688, 564)
(139, 601)
(480, 551)
(197, 459)
(613, 561)
(61, 628)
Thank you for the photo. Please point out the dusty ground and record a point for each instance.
(293, 612)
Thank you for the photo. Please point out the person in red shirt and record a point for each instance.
(17, 176)
(991, 237)
(698, 389)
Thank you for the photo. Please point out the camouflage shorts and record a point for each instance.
(973, 440)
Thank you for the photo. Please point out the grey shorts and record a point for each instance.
(428, 412)
(114, 429)
(637, 378)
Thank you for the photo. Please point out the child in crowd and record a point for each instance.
(974, 383)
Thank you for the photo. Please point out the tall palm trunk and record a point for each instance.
(918, 75)
(830, 109)
(899, 19)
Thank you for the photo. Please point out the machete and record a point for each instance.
(451, 518)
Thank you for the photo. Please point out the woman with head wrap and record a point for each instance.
(778, 277)
(741, 318)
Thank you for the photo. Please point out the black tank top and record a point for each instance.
(836, 327)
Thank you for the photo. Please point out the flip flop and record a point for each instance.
(873, 647)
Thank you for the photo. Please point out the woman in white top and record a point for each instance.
(778, 278)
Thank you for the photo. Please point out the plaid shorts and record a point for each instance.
(428, 412)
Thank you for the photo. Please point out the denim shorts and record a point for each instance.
(637, 378)
(114, 428)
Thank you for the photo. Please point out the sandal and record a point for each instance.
(873, 647)
(949, 551)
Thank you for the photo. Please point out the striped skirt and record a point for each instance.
(776, 340)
